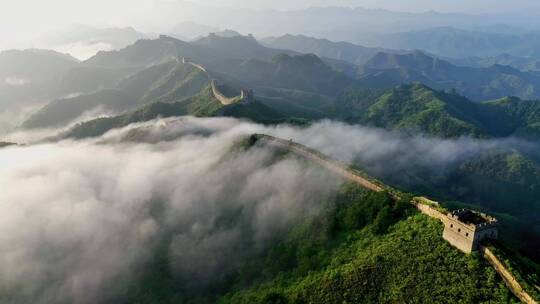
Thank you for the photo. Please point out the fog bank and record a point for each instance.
(82, 219)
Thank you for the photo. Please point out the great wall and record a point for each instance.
(245, 95)
(464, 229)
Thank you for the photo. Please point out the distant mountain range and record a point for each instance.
(284, 80)
(520, 63)
(476, 78)
(352, 24)
(460, 43)
(476, 83)
(412, 108)
(345, 51)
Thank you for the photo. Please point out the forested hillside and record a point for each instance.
(363, 247)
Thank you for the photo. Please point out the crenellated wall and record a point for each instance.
(322, 160)
(507, 276)
(224, 100)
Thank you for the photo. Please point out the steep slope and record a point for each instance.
(88, 79)
(238, 47)
(257, 112)
(62, 111)
(362, 247)
(203, 104)
(500, 181)
(418, 108)
(184, 80)
(142, 82)
(304, 72)
(296, 103)
(302, 86)
(523, 115)
(141, 54)
(167, 82)
(410, 262)
(206, 50)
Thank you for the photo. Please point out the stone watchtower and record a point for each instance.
(465, 229)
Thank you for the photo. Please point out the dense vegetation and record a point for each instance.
(420, 109)
(202, 105)
(62, 111)
(356, 252)
(501, 182)
(526, 272)
(412, 108)
(364, 247)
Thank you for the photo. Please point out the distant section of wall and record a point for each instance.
(224, 100)
(427, 209)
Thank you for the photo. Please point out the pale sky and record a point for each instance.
(27, 18)
(464, 6)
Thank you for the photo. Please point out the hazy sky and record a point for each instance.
(24, 18)
(468, 6)
(23, 13)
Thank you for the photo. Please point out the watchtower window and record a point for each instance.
(459, 230)
(467, 234)
(451, 225)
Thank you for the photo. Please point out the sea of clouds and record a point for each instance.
(82, 219)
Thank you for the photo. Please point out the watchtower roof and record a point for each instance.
(473, 218)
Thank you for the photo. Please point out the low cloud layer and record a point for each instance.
(82, 219)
